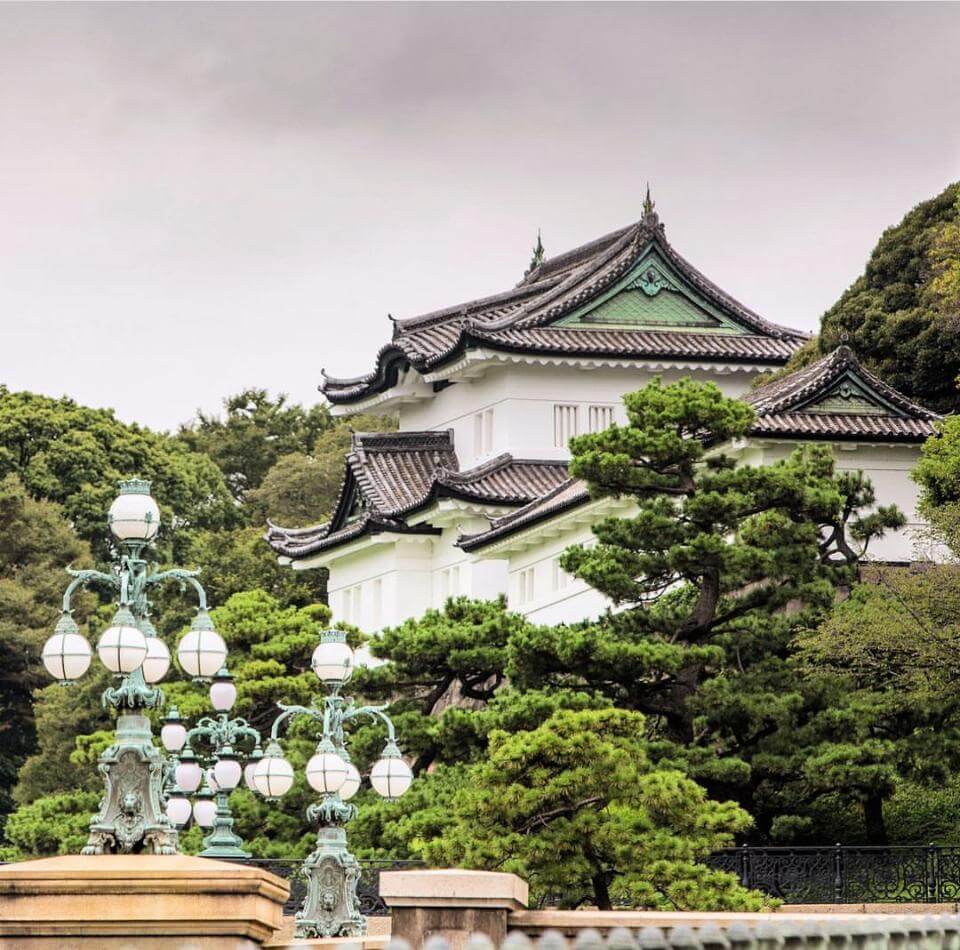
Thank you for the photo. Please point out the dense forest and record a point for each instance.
(754, 685)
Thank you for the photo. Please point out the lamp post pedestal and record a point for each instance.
(131, 817)
(331, 907)
(223, 842)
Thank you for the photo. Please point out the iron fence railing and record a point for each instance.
(847, 874)
(368, 889)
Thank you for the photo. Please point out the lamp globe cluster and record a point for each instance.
(130, 643)
(190, 777)
(330, 770)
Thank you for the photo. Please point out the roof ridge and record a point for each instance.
(513, 515)
(591, 266)
(444, 313)
(397, 439)
(560, 261)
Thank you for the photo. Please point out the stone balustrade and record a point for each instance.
(759, 932)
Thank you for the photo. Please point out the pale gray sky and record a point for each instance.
(197, 198)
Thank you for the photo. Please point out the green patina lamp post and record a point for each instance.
(331, 907)
(225, 740)
(132, 814)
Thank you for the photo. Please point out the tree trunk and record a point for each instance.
(600, 891)
(873, 819)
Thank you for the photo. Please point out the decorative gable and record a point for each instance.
(837, 398)
(851, 396)
(654, 296)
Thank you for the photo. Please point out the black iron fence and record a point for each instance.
(842, 874)
(368, 889)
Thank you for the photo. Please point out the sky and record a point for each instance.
(200, 198)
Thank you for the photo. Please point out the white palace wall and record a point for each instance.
(531, 411)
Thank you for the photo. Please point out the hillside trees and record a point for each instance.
(36, 543)
(255, 431)
(902, 315)
(74, 456)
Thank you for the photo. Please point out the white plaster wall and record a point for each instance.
(523, 397)
(568, 603)
(402, 576)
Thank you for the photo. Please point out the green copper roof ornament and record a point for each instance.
(650, 216)
(539, 255)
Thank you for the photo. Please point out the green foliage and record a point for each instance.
(576, 807)
(452, 656)
(36, 544)
(57, 824)
(74, 456)
(885, 659)
(900, 315)
(302, 487)
(256, 431)
(938, 473)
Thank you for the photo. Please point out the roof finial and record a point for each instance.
(538, 255)
(648, 206)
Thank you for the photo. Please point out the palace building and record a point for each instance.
(471, 496)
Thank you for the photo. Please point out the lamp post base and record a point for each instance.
(131, 818)
(222, 842)
(331, 907)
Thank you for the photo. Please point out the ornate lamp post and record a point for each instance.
(224, 738)
(331, 907)
(132, 816)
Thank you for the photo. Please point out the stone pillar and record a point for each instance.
(146, 901)
(451, 904)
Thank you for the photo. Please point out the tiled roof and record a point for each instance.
(569, 494)
(838, 397)
(522, 319)
(391, 475)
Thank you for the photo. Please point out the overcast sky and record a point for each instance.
(198, 198)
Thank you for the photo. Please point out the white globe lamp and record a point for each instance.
(122, 647)
(390, 775)
(351, 785)
(204, 809)
(273, 776)
(157, 661)
(228, 771)
(223, 693)
(333, 659)
(66, 654)
(326, 771)
(173, 733)
(202, 651)
(250, 768)
(134, 515)
(188, 773)
(178, 809)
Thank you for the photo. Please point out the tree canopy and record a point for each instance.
(902, 315)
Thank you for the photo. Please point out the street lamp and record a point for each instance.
(132, 815)
(222, 739)
(331, 907)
